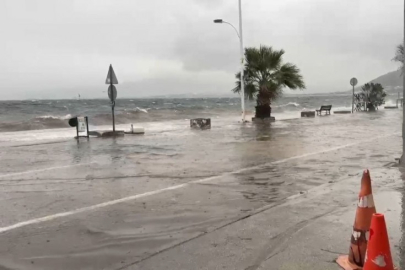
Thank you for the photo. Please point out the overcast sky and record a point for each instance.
(59, 48)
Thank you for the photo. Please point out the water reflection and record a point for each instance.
(115, 150)
(263, 132)
(81, 151)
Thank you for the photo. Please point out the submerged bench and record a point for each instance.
(325, 108)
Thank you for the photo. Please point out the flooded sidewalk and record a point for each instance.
(278, 197)
(308, 231)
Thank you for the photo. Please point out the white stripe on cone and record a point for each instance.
(366, 202)
(356, 235)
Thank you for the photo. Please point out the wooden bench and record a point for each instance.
(325, 108)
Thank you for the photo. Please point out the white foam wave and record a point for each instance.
(390, 103)
(67, 116)
(289, 104)
(141, 110)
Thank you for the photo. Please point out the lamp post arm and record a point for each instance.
(234, 28)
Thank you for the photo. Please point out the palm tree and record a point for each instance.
(265, 76)
(399, 56)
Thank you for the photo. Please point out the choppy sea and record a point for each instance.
(50, 117)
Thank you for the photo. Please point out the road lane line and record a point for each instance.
(155, 192)
(44, 170)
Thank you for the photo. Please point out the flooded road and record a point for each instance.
(233, 197)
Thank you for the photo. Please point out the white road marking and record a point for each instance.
(44, 170)
(155, 192)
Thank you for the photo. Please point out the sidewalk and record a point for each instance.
(307, 231)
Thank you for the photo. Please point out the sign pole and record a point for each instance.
(353, 100)
(87, 127)
(112, 103)
(113, 117)
(353, 82)
(112, 92)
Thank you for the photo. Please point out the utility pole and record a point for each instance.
(242, 64)
(402, 161)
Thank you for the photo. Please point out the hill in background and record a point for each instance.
(390, 81)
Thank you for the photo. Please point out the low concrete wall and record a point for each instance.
(106, 133)
(263, 120)
(342, 112)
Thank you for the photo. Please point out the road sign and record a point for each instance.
(112, 93)
(111, 78)
(353, 82)
(81, 124)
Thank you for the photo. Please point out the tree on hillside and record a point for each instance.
(265, 76)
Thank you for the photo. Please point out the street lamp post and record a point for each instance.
(242, 57)
(242, 62)
(403, 96)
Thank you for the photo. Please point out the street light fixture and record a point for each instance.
(242, 57)
(222, 21)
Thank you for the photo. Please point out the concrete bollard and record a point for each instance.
(200, 123)
(308, 114)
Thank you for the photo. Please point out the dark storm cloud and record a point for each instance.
(207, 47)
(210, 4)
(55, 44)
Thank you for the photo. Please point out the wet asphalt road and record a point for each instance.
(252, 197)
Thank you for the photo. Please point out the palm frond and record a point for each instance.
(290, 76)
(399, 54)
(250, 89)
(399, 57)
(265, 75)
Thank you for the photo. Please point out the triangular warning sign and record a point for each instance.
(111, 78)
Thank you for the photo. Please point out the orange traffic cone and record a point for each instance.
(361, 227)
(378, 250)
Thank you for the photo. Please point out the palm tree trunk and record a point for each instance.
(263, 109)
